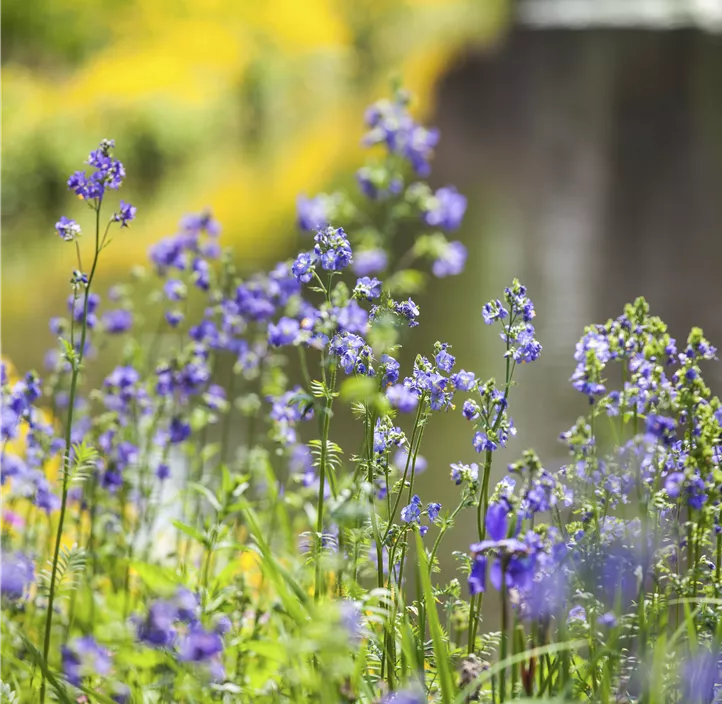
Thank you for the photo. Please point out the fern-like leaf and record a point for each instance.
(71, 565)
(84, 459)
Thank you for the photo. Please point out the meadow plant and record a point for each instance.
(189, 529)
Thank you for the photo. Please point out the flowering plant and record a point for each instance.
(190, 531)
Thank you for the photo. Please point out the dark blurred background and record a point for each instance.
(587, 135)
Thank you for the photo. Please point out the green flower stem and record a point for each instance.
(322, 473)
(447, 524)
(503, 652)
(392, 516)
(66, 458)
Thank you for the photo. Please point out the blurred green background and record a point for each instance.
(587, 135)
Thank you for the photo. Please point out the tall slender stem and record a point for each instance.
(77, 363)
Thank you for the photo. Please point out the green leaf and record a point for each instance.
(156, 578)
(358, 388)
(441, 654)
(190, 531)
(208, 494)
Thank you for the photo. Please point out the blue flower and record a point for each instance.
(195, 223)
(158, 628)
(285, 332)
(117, 321)
(303, 267)
(701, 677)
(367, 288)
(409, 310)
(200, 645)
(463, 380)
(477, 576)
(313, 213)
(433, 511)
(391, 124)
(661, 428)
(403, 398)
(492, 311)
(524, 348)
(404, 696)
(369, 261)
(353, 352)
(125, 215)
(17, 575)
(608, 620)
(577, 613)
(451, 261)
(483, 442)
(201, 274)
(470, 410)
(332, 249)
(391, 370)
(464, 473)
(83, 657)
(175, 290)
(444, 360)
(162, 472)
(109, 173)
(180, 430)
(412, 512)
(446, 210)
(67, 229)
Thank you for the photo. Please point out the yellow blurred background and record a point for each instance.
(237, 106)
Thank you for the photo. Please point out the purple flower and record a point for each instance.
(195, 223)
(313, 213)
(404, 696)
(180, 431)
(391, 370)
(409, 310)
(493, 310)
(16, 575)
(332, 249)
(661, 428)
(162, 472)
(403, 398)
(303, 267)
(67, 229)
(158, 629)
(174, 317)
(433, 511)
(83, 657)
(444, 360)
(126, 214)
(200, 645)
(369, 261)
(367, 288)
(174, 290)
(353, 352)
(463, 380)
(701, 677)
(470, 409)
(390, 124)
(412, 512)
(464, 472)
(608, 620)
(577, 613)
(117, 321)
(201, 274)
(285, 332)
(352, 318)
(477, 576)
(483, 442)
(446, 210)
